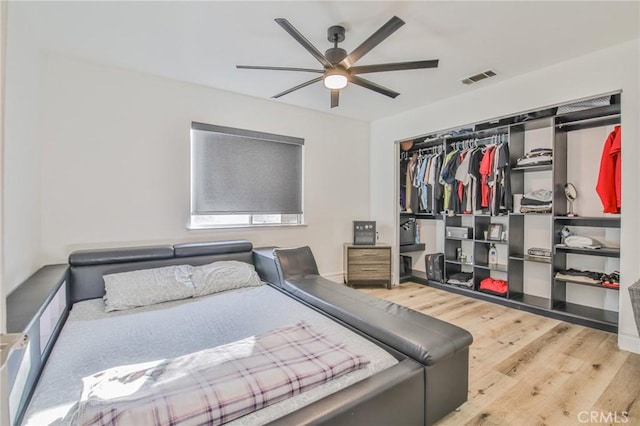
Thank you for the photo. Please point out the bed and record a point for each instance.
(407, 355)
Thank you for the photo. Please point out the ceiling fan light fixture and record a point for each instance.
(335, 79)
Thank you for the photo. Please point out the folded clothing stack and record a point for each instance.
(572, 274)
(491, 285)
(539, 253)
(579, 241)
(539, 201)
(536, 157)
(589, 277)
(462, 279)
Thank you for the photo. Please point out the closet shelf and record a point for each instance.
(408, 248)
(527, 258)
(592, 221)
(493, 267)
(492, 241)
(421, 215)
(604, 252)
(602, 316)
(589, 114)
(428, 216)
(562, 280)
(529, 299)
(457, 262)
(459, 239)
(540, 168)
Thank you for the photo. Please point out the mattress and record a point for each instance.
(93, 340)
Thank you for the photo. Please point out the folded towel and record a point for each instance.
(579, 241)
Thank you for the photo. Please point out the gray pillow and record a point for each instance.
(222, 276)
(144, 287)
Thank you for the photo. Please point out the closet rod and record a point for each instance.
(607, 118)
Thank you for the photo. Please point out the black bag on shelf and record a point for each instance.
(435, 266)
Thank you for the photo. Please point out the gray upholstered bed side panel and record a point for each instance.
(89, 266)
(209, 248)
(120, 255)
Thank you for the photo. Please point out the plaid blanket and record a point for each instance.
(215, 385)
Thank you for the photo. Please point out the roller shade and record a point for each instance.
(237, 171)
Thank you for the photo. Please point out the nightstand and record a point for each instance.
(367, 264)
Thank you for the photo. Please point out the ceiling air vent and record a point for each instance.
(476, 78)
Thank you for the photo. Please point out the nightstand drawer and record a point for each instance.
(372, 272)
(367, 256)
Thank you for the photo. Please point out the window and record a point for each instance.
(244, 178)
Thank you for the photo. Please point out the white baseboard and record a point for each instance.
(336, 277)
(629, 343)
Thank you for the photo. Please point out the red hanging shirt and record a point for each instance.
(609, 178)
(486, 168)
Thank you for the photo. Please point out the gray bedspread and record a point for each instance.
(92, 341)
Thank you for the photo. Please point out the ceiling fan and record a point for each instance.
(338, 66)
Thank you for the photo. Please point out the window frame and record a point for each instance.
(249, 220)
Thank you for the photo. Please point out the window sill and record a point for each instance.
(191, 227)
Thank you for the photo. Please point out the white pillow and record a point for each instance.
(144, 287)
(222, 276)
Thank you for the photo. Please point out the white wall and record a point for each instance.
(115, 162)
(3, 55)
(22, 153)
(601, 72)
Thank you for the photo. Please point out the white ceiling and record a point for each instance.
(201, 42)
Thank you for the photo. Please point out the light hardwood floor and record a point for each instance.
(526, 369)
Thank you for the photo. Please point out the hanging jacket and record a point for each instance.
(609, 181)
(502, 200)
(447, 176)
(464, 182)
(474, 172)
(434, 182)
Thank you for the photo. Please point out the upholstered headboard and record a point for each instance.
(87, 267)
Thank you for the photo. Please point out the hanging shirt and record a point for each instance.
(464, 179)
(411, 193)
(418, 181)
(609, 181)
(486, 168)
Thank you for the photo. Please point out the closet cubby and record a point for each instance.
(575, 132)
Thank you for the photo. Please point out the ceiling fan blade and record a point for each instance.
(335, 96)
(375, 39)
(299, 86)
(256, 67)
(397, 66)
(373, 86)
(293, 32)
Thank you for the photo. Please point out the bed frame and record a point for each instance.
(429, 381)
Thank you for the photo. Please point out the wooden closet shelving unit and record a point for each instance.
(553, 301)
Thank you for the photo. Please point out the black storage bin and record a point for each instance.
(407, 231)
(459, 232)
(434, 264)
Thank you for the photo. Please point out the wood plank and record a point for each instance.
(538, 352)
(622, 396)
(585, 387)
(529, 394)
